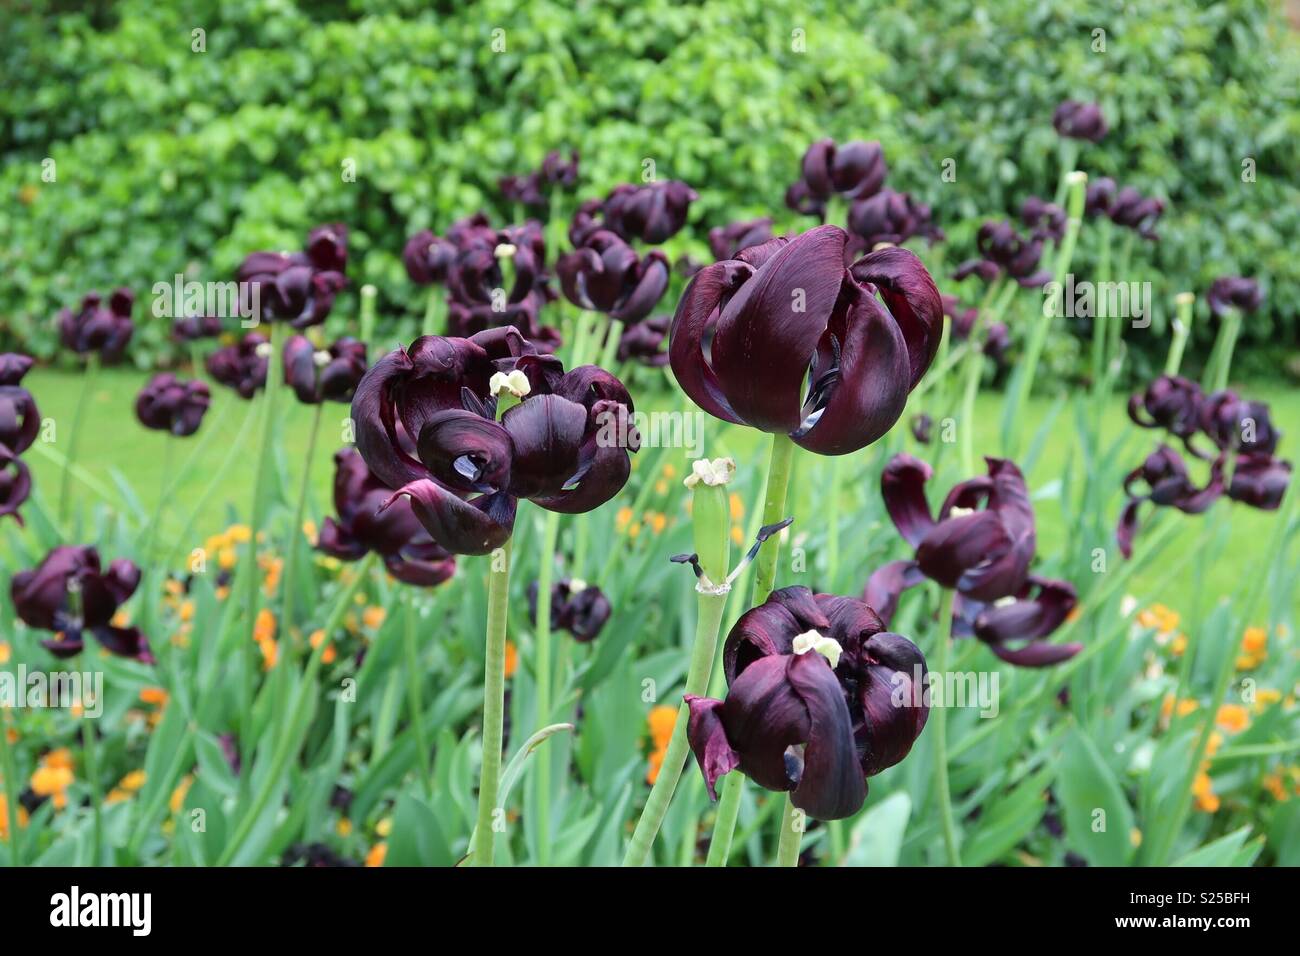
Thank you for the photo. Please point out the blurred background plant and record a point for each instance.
(170, 160)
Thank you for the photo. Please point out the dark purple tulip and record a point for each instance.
(643, 342)
(20, 421)
(606, 275)
(1100, 196)
(1033, 615)
(428, 258)
(792, 722)
(997, 342)
(1168, 484)
(1080, 121)
(727, 241)
(891, 217)
(298, 288)
(167, 404)
(799, 197)
(564, 446)
(789, 311)
(1134, 211)
(1234, 292)
(1002, 249)
(586, 221)
(1259, 480)
(652, 213)
(71, 595)
(1237, 424)
(191, 328)
(470, 230)
(1045, 220)
(855, 170)
(327, 248)
(242, 366)
(479, 299)
(15, 484)
(558, 171)
(962, 320)
(1170, 402)
(394, 533)
(921, 426)
(576, 607)
(525, 189)
(319, 375)
(96, 327)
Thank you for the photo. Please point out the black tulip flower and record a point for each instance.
(15, 484)
(586, 221)
(479, 297)
(1016, 628)
(652, 213)
(891, 217)
(99, 327)
(1077, 120)
(577, 607)
(1237, 424)
(1259, 480)
(428, 258)
(855, 170)
(242, 365)
(997, 342)
(1099, 197)
(20, 421)
(564, 446)
(297, 288)
(1170, 402)
(320, 375)
(559, 171)
(962, 319)
(800, 198)
(1234, 292)
(606, 275)
(525, 189)
(1045, 220)
(1140, 213)
(168, 404)
(1003, 250)
(819, 698)
(643, 342)
(921, 427)
(192, 328)
(1168, 485)
(727, 241)
(751, 331)
(394, 533)
(984, 539)
(71, 594)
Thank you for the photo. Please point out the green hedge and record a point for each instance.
(172, 160)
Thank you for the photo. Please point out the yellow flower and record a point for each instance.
(623, 518)
(1159, 617)
(186, 610)
(264, 627)
(174, 587)
(1254, 640)
(1266, 697)
(669, 471)
(177, 800)
(5, 652)
(376, 855)
(240, 533)
(633, 530)
(658, 521)
(52, 782)
(329, 655)
(4, 818)
(373, 617)
(226, 558)
(133, 782)
(270, 652)
(661, 720)
(1213, 744)
(309, 529)
(661, 487)
(1178, 645)
(512, 659)
(384, 827)
(736, 505)
(344, 827)
(1233, 717)
(1272, 782)
(737, 534)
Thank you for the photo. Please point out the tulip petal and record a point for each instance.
(912, 298)
(954, 547)
(708, 741)
(547, 432)
(697, 312)
(463, 527)
(887, 583)
(832, 785)
(902, 485)
(891, 693)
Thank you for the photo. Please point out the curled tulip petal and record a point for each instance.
(693, 324)
(902, 485)
(465, 527)
(913, 301)
(957, 546)
(465, 451)
(887, 584)
(708, 741)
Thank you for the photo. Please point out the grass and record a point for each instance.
(118, 452)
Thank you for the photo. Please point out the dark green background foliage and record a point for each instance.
(171, 160)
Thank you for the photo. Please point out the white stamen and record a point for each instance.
(321, 358)
(516, 383)
(956, 512)
(264, 350)
(505, 251)
(827, 647)
(713, 472)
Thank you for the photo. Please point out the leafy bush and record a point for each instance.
(172, 160)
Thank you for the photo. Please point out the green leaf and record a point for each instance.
(1098, 819)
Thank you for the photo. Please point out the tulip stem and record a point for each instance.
(432, 311)
(367, 318)
(88, 747)
(10, 772)
(543, 679)
(787, 847)
(1182, 329)
(413, 677)
(610, 351)
(74, 436)
(295, 529)
(494, 692)
(990, 311)
(724, 820)
(1223, 349)
(939, 718)
(1100, 323)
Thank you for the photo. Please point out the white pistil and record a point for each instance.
(827, 647)
(712, 472)
(516, 383)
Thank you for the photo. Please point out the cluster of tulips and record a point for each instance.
(816, 339)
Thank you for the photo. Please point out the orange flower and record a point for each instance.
(153, 695)
(1233, 717)
(329, 655)
(377, 854)
(372, 617)
(512, 659)
(662, 719)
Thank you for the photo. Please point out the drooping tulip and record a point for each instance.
(577, 607)
(1259, 480)
(479, 298)
(1045, 220)
(1168, 484)
(643, 342)
(298, 288)
(242, 365)
(394, 533)
(524, 189)
(892, 217)
(819, 698)
(1003, 250)
(1237, 424)
(564, 446)
(15, 484)
(854, 170)
(428, 258)
(1099, 197)
(921, 427)
(1234, 292)
(962, 319)
(191, 328)
(1140, 213)
(652, 213)
(20, 421)
(70, 594)
(727, 241)
(1016, 630)
(1077, 120)
(749, 331)
(559, 171)
(606, 275)
(1170, 402)
(169, 404)
(99, 327)
(319, 375)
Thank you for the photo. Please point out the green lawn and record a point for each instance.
(113, 443)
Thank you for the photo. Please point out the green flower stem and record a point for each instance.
(610, 352)
(494, 692)
(285, 745)
(1116, 327)
(710, 518)
(835, 473)
(1069, 157)
(582, 332)
(1043, 324)
(196, 361)
(544, 680)
(939, 720)
(10, 771)
(433, 311)
(414, 697)
(292, 545)
(787, 847)
(1228, 332)
(1100, 323)
(1182, 329)
(147, 562)
(724, 820)
(990, 311)
(88, 379)
(90, 753)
